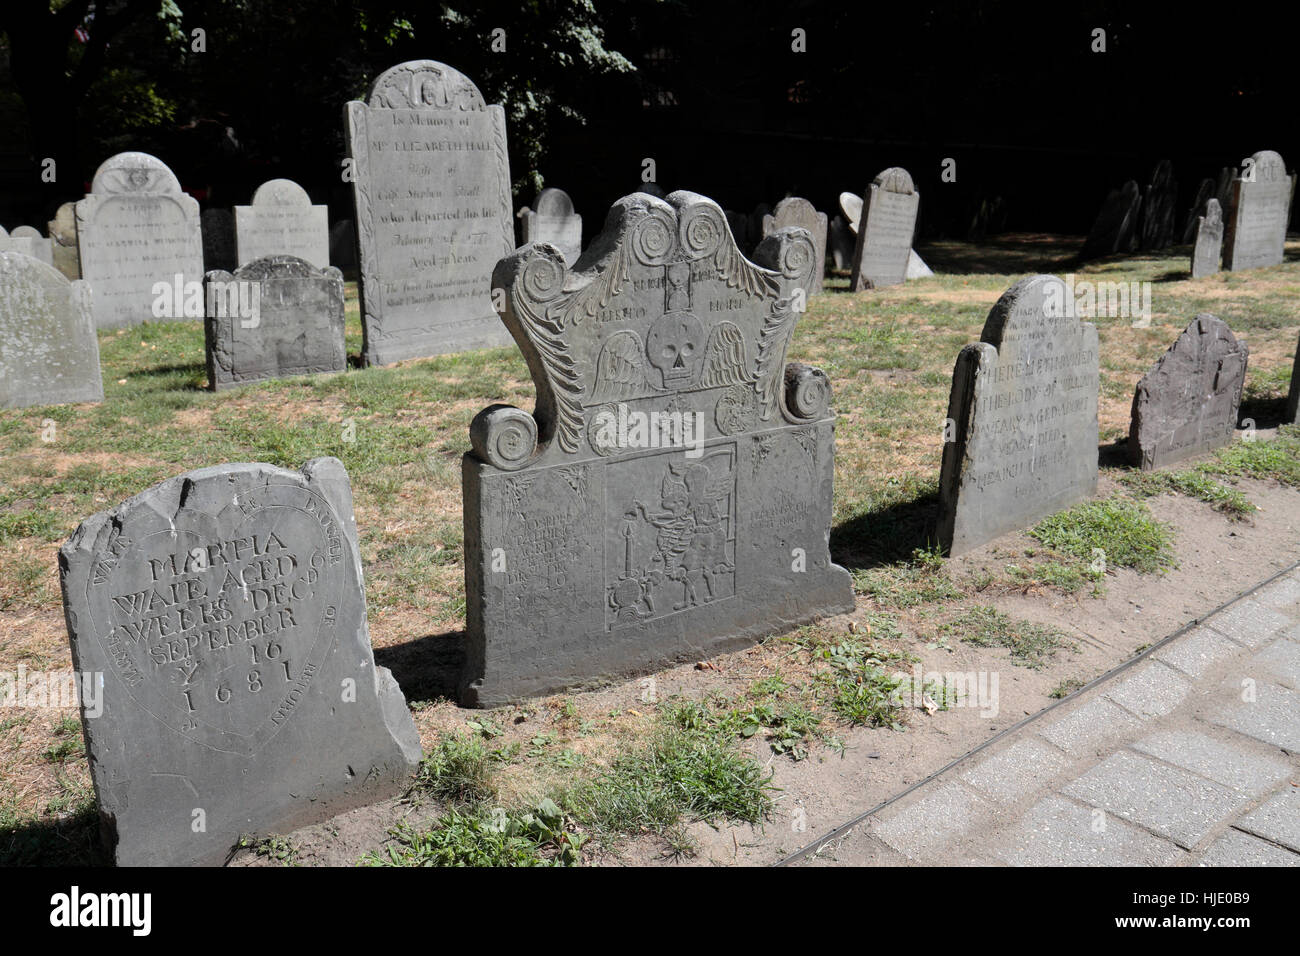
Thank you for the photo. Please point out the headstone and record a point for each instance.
(1022, 418)
(63, 241)
(219, 239)
(851, 207)
(885, 231)
(1203, 195)
(281, 221)
(343, 244)
(1209, 240)
(1156, 229)
(297, 330)
(916, 267)
(841, 242)
(1187, 403)
(434, 212)
(554, 221)
(49, 353)
(671, 495)
(134, 229)
(22, 245)
(41, 248)
(1255, 225)
(1115, 229)
(223, 617)
(989, 217)
(1293, 395)
(800, 213)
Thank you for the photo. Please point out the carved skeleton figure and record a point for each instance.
(692, 536)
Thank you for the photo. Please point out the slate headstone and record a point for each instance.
(553, 220)
(801, 214)
(297, 328)
(41, 248)
(1115, 229)
(219, 239)
(63, 241)
(1187, 403)
(1255, 224)
(1023, 418)
(885, 231)
(281, 221)
(1209, 240)
(671, 495)
(433, 210)
(49, 353)
(134, 229)
(1156, 229)
(223, 614)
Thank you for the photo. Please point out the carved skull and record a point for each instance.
(675, 346)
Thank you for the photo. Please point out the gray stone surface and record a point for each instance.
(1024, 418)
(298, 328)
(225, 611)
(1058, 832)
(885, 231)
(1169, 801)
(553, 220)
(281, 221)
(841, 242)
(1282, 594)
(1208, 247)
(1277, 820)
(1115, 229)
(63, 241)
(41, 246)
(49, 354)
(1090, 727)
(1227, 763)
(1282, 660)
(1016, 770)
(20, 244)
(797, 213)
(1197, 652)
(1270, 717)
(1250, 623)
(1187, 403)
(1151, 690)
(1255, 228)
(1235, 848)
(1156, 228)
(916, 267)
(219, 239)
(433, 211)
(604, 537)
(925, 826)
(851, 206)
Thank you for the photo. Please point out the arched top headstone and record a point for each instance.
(128, 173)
(424, 85)
(1213, 212)
(30, 232)
(280, 192)
(282, 267)
(1269, 167)
(851, 206)
(896, 179)
(553, 202)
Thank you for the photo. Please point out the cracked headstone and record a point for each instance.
(1255, 222)
(222, 618)
(885, 231)
(800, 213)
(671, 496)
(281, 221)
(1209, 240)
(431, 188)
(1021, 437)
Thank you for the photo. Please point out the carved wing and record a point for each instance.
(620, 369)
(724, 357)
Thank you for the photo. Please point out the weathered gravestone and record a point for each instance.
(134, 229)
(219, 239)
(1156, 229)
(671, 496)
(916, 267)
(1023, 418)
(1255, 225)
(281, 221)
(49, 354)
(223, 614)
(1115, 229)
(63, 241)
(851, 207)
(841, 242)
(297, 328)
(1209, 240)
(20, 244)
(553, 220)
(40, 244)
(800, 214)
(885, 231)
(1187, 403)
(1293, 396)
(432, 193)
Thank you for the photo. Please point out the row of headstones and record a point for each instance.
(1242, 219)
(670, 497)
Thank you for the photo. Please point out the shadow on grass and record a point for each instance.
(427, 668)
(1009, 254)
(885, 536)
(194, 371)
(1114, 454)
(69, 841)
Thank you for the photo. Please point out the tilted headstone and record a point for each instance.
(851, 207)
(49, 353)
(63, 241)
(281, 221)
(885, 231)
(671, 495)
(1156, 230)
(219, 239)
(41, 248)
(1187, 403)
(1293, 395)
(841, 242)
(1255, 224)
(1209, 240)
(222, 616)
(916, 267)
(136, 228)
(1022, 418)
(554, 221)
(1115, 229)
(434, 212)
(1203, 195)
(800, 213)
(297, 328)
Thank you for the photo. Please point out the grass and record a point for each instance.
(1193, 484)
(1031, 645)
(1111, 533)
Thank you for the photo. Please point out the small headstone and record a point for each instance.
(1187, 403)
(841, 242)
(851, 206)
(22, 245)
(671, 496)
(297, 329)
(1293, 396)
(49, 353)
(554, 221)
(343, 244)
(800, 213)
(281, 221)
(134, 229)
(885, 231)
(1255, 225)
(41, 248)
(1022, 418)
(219, 239)
(1209, 240)
(916, 267)
(223, 618)
(1156, 230)
(1203, 195)
(1115, 229)
(63, 241)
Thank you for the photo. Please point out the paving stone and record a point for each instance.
(1282, 660)
(1016, 771)
(1152, 691)
(1250, 623)
(1282, 595)
(1088, 728)
(1235, 848)
(1058, 832)
(1166, 800)
(1219, 761)
(1271, 717)
(921, 829)
(1197, 651)
(1277, 820)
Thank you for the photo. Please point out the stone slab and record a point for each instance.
(1225, 763)
(553, 220)
(1151, 690)
(1016, 771)
(1235, 848)
(1059, 832)
(1277, 820)
(1255, 230)
(1197, 652)
(281, 221)
(1250, 623)
(886, 231)
(1207, 249)
(801, 214)
(63, 240)
(1270, 717)
(925, 827)
(1090, 727)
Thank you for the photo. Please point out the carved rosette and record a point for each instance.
(807, 392)
(504, 436)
